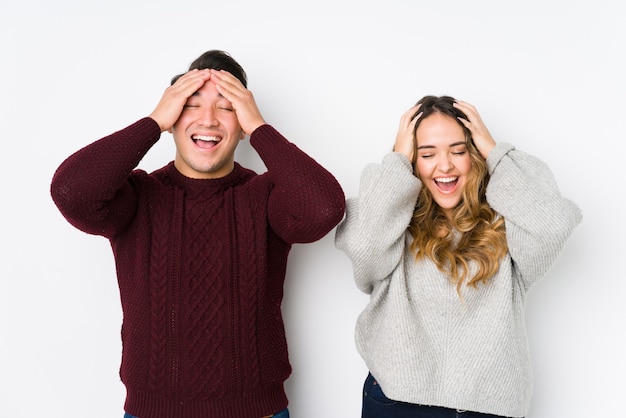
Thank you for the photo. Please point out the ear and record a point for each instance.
(169, 130)
(242, 136)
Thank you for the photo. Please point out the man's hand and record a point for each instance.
(241, 98)
(175, 97)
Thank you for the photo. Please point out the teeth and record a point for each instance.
(206, 138)
(446, 179)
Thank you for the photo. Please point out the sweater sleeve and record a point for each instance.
(306, 200)
(92, 187)
(538, 218)
(373, 232)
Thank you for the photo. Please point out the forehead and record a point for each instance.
(208, 91)
(439, 129)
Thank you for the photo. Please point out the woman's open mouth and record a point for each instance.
(446, 184)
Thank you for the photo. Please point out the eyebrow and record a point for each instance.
(456, 144)
(196, 94)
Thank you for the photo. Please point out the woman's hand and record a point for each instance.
(480, 134)
(404, 138)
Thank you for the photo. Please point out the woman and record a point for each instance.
(447, 235)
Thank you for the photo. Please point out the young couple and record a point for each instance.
(447, 235)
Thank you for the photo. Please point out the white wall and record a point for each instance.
(334, 77)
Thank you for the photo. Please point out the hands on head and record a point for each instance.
(404, 138)
(175, 97)
(483, 140)
(481, 137)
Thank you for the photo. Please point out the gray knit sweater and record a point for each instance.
(419, 340)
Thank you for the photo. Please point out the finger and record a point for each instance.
(465, 122)
(190, 82)
(463, 105)
(191, 75)
(409, 116)
(228, 83)
(468, 109)
(413, 111)
(415, 119)
(227, 78)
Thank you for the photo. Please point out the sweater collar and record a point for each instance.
(203, 186)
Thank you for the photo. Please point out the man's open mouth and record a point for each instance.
(206, 141)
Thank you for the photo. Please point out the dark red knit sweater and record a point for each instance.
(200, 266)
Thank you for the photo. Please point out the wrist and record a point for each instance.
(254, 126)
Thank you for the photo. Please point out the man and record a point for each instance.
(201, 245)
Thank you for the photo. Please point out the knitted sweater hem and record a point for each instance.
(266, 401)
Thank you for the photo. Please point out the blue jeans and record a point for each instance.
(377, 405)
(282, 414)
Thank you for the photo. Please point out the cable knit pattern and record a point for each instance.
(157, 366)
(205, 360)
(248, 286)
(419, 340)
(201, 266)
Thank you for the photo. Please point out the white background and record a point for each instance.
(334, 77)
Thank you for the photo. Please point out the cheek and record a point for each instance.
(466, 165)
(178, 130)
(174, 130)
(181, 123)
(422, 169)
(231, 126)
(229, 118)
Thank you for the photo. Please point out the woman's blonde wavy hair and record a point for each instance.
(475, 234)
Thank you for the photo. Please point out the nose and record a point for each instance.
(208, 117)
(446, 164)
